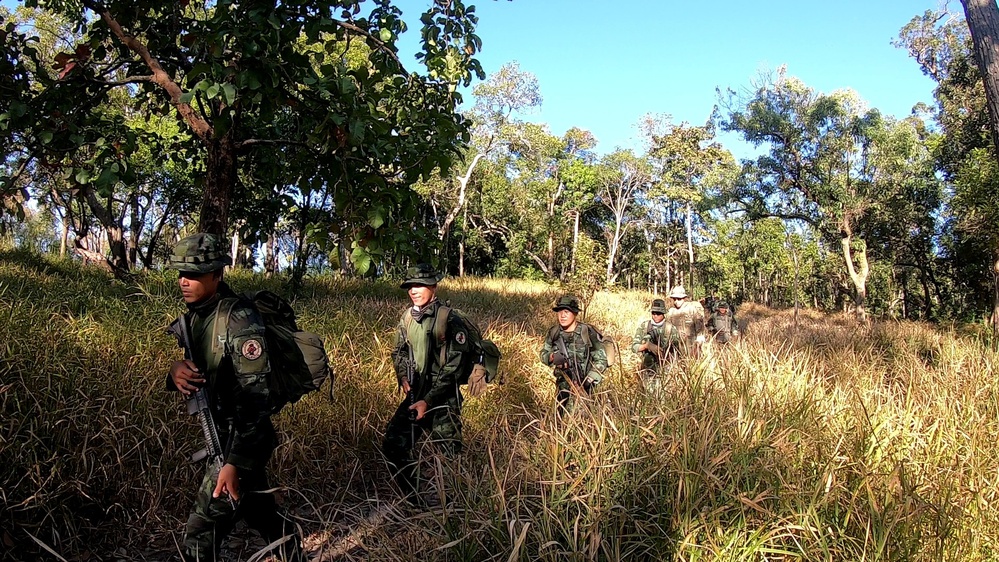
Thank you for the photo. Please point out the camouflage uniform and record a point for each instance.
(233, 359)
(587, 362)
(434, 382)
(663, 340)
(688, 319)
(723, 327)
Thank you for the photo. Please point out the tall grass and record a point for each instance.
(811, 439)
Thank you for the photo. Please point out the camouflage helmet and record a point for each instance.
(658, 306)
(722, 304)
(678, 292)
(199, 253)
(422, 275)
(566, 302)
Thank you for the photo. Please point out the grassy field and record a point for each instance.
(812, 439)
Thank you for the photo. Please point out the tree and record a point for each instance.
(687, 161)
(825, 165)
(240, 80)
(623, 177)
(983, 22)
(965, 155)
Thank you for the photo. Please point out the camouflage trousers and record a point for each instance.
(567, 394)
(442, 423)
(214, 518)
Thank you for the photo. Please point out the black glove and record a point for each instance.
(559, 360)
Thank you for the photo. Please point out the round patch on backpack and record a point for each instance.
(460, 338)
(252, 349)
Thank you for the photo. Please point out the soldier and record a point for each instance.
(232, 361)
(688, 317)
(575, 351)
(429, 376)
(722, 324)
(656, 340)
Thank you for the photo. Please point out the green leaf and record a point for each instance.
(186, 97)
(385, 35)
(45, 137)
(229, 93)
(361, 260)
(212, 91)
(376, 217)
(82, 177)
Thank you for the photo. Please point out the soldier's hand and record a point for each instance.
(185, 376)
(404, 385)
(228, 482)
(420, 408)
(644, 346)
(558, 360)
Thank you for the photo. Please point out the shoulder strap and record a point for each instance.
(220, 336)
(440, 323)
(440, 331)
(553, 333)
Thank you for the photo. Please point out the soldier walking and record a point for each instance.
(576, 353)
(230, 359)
(688, 317)
(722, 324)
(427, 370)
(657, 341)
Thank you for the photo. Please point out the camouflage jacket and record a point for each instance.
(661, 339)
(688, 319)
(234, 361)
(436, 381)
(723, 326)
(585, 360)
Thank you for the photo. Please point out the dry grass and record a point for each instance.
(809, 440)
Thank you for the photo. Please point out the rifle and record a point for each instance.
(574, 374)
(410, 371)
(199, 405)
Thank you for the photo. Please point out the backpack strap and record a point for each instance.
(440, 331)
(221, 336)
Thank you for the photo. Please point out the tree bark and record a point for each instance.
(857, 274)
(220, 182)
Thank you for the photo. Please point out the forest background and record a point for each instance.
(325, 153)
(298, 130)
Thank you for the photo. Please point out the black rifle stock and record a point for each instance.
(199, 405)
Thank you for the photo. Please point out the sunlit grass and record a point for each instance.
(811, 439)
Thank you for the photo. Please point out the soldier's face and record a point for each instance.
(421, 295)
(196, 287)
(679, 302)
(566, 318)
(657, 317)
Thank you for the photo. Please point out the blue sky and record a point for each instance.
(602, 65)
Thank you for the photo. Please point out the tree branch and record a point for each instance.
(160, 76)
(377, 41)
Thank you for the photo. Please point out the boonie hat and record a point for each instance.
(567, 302)
(659, 306)
(199, 253)
(678, 292)
(423, 275)
(722, 304)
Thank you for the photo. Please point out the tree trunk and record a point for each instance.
(995, 296)
(983, 22)
(575, 240)
(690, 248)
(270, 257)
(220, 183)
(857, 275)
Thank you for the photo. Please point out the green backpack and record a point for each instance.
(484, 352)
(299, 364)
